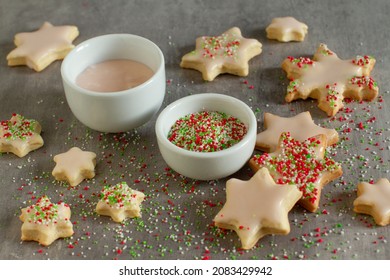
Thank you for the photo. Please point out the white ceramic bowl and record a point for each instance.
(115, 111)
(209, 165)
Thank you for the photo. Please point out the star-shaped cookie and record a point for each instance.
(257, 207)
(300, 126)
(303, 164)
(286, 29)
(120, 202)
(227, 53)
(40, 48)
(74, 166)
(45, 221)
(330, 79)
(20, 135)
(374, 200)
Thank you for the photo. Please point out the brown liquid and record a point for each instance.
(114, 75)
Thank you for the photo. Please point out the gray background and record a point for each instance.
(178, 212)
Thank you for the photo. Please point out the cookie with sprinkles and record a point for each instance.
(304, 164)
(120, 202)
(74, 166)
(286, 29)
(226, 53)
(46, 222)
(257, 207)
(374, 200)
(330, 79)
(300, 127)
(20, 135)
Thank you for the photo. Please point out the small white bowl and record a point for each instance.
(114, 111)
(208, 165)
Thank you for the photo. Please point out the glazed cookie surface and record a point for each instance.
(374, 200)
(38, 49)
(300, 127)
(329, 79)
(19, 135)
(286, 29)
(257, 207)
(226, 53)
(74, 166)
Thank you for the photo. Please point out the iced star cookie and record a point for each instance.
(227, 53)
(330, 79)
(300, 127)
(40, 48)
(120, 202)
(374, 200)
(304, 164)
(20, 135)
(74, 166)
(45, 221)
(257, 207)
(286, 29)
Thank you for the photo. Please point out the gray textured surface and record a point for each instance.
(176, 222)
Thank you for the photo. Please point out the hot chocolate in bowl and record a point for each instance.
(122, 108)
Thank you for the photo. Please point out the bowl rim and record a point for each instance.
(251, 129)
(110, 94)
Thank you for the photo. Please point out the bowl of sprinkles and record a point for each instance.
(206, 136)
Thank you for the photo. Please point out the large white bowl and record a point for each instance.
(208, 165)
(115, 111)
